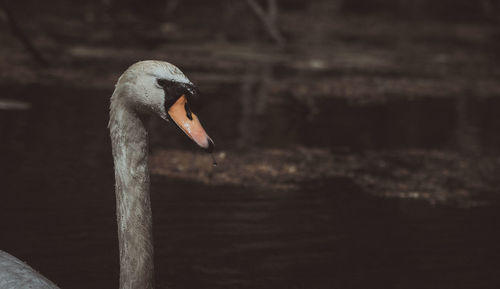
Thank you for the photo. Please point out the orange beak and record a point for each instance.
(189, 123)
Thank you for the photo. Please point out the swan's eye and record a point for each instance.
(162, 82)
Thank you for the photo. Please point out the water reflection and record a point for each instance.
(328, 234)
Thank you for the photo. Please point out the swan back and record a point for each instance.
(15, 274)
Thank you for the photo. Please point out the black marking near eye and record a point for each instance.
(174, 90)
(162, 82)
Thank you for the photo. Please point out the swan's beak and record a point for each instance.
(190, 124)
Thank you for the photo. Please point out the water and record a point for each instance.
(57, 201)
(328, 235)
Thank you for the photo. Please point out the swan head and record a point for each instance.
(160, 88)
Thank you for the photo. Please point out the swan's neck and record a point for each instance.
(133, 208)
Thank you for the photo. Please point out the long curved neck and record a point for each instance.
(133, 207)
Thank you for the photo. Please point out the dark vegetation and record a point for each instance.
(273, 67)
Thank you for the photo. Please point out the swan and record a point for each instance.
(145, 88)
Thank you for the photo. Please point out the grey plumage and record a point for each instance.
(136, 95)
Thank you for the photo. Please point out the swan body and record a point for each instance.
(146, 88)
(14, 273)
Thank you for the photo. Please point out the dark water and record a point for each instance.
(57, 201)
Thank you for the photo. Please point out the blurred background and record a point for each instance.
(357, 141)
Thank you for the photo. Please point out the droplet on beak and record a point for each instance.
(214, 163)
